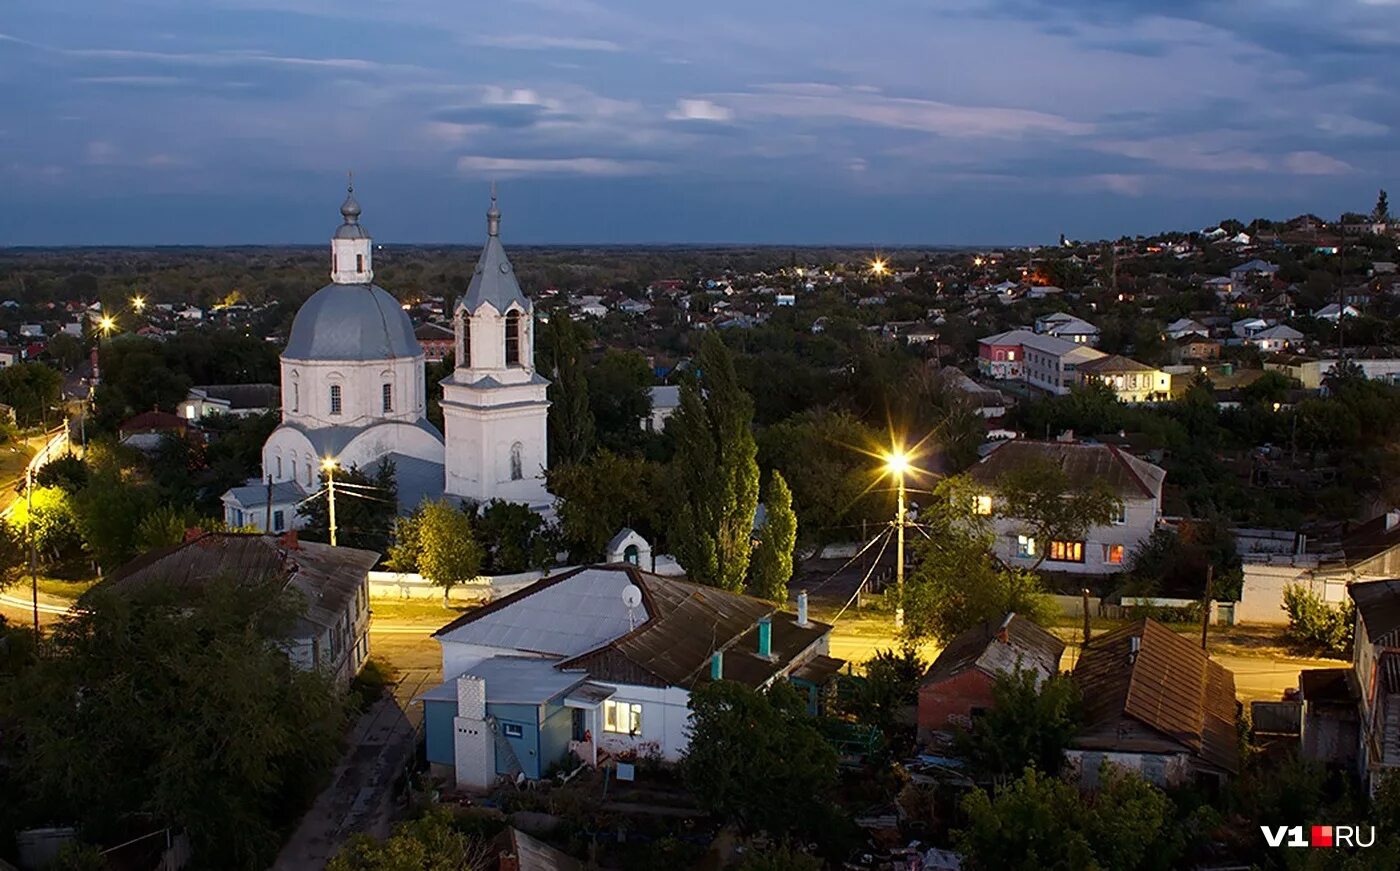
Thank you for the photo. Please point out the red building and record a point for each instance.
(958, 686)
(436, 341)
(1002, 356)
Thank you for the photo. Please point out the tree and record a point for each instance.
(1344, 375)
(571, 432)
(820, 455)
(1315, 623)
(1046, 505)
(366, 506)
(757, 759)
(771, 568)
(891, 685)
(1381, 213)
(129, 718)
(513, 538)
(32, 390)
(67, 473)
(448, 553)
(1173, 561)
(55, 525)
(714, 473)
(111, 506)
(65, 350)
(12, 553)
(602, 495)
(164, 526)
(619, 393)
(1029, 725)
(429, 843)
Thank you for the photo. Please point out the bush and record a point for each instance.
(1315, 623)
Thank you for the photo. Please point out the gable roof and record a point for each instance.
(1170, 685)
(996, 645)
(1127, 475)
(1114, 363)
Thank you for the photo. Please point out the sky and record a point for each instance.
(881, 122)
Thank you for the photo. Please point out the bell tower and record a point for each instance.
(351, 248)
(494, 403)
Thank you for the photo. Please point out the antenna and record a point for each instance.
(631, 597)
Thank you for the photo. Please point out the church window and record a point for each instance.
(335, 399)
(296, 396)
(513, 338)
(359, 263)
(632, 555)
(308, 473)
(388, 398)
(279, 468)
(516, 470)
(466, 350)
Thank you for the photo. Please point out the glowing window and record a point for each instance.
(1067, 551)
(623, 718)
(1113, 554)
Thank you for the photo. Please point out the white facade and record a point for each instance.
(1051, 363)
(494, 403)
(1104, 549)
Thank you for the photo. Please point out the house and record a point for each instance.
(1246, 328)
(513, 850)
(600, 661)
(10, 355)
(1104, 549)
(1068, 327)
(270, 507)
(1333, 312)
(1000, 356)
(1275, 338)
(1052, 363)
(665, 399)
(1222, 286)
(333, 632)
(145, 431)
(988, 402)
(1182, 327)
(1154, 703)
(236, 400)
(1192, 347)
(1245, 271)
(1376, 662)
(958, 686)
(1130, 381)
(436, 340)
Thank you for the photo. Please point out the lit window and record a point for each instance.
(387, 398)
(982, 504)
(1011, 355)
(624, 718)
(1113, 554)
(1067, 551)
(1025, 546)
(335, 399)
(1120, 515)
(512, 730)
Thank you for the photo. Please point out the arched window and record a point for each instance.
(513, 338)
(296, 394)
(631, 555)
(308, 473)
(279, 467)
(516, 470)
(387, 397)
(464, 347)
(335, 399)
(359, 263)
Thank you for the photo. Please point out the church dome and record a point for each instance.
(351, 322)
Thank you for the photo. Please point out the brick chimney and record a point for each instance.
(288, 540)
(508, 861)
(192, 533)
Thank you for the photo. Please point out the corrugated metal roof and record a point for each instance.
(351, 322)
(977, 648)
(566, 615)
(1124, 473)
(1378, 603)
(1170, 685)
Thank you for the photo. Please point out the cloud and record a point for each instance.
(537, 42)
(1350, 125)
(1195, 152)
(1315, 163)
(861, 106)
(136, 81)
(699, 110)
(1119, 183)
(503, 167)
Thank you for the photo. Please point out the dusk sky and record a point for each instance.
(821, 121)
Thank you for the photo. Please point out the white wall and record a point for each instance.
(1140, 516)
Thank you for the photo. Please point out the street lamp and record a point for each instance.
(328, 466)
(879, 267)
(106, 324)
(138, 303)
(897, 465)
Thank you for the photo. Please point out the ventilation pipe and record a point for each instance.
(765, 637)
(717, 665)
(802, 609)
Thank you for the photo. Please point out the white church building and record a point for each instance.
(353, 392)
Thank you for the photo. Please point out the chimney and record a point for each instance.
(288, 540)
(802, 609)
(508, 861)
(192, 533)
(717, 665)
(765, 637)
(1134, 645)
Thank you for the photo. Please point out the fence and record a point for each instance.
(483, 588)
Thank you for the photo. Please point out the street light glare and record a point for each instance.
(878, 266)
(107, 323)
(328, 463)
(897, 463)
(138, 303)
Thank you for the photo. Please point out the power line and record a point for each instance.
(865, 579)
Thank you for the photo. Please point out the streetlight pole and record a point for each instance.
(329, 466)
(899, 553)
(29, 536)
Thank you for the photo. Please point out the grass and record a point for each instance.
(63, 589)
(413, 610)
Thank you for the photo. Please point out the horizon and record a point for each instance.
(234, 122)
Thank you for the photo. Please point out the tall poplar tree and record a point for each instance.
(772, 559)
(714, 472)
(571, 431)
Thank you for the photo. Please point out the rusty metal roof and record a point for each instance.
(998, 645)
(327, 576)
(1125, 474)
(1169, 685)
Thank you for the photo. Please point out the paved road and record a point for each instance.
(46, 447)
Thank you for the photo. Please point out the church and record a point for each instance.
(354, 392)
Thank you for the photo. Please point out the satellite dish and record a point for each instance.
(631, 596)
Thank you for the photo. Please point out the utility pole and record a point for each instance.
(1205, 606)
(330, 495)
(29, 535)
(267, 520)
(899, 556)
(1084, 594)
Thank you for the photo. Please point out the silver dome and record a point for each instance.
(351, 322)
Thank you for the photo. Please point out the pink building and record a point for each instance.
(1001, 356)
